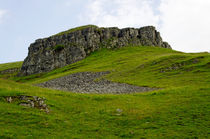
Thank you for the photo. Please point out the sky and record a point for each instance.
(184, 24)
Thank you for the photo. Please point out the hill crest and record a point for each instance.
(75, 44)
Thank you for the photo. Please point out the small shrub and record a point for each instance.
(58, 47)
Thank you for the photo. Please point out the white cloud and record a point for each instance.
(182, 23)
(185, 24)
(120, 13)
(2, 14)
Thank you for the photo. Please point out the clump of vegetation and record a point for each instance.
(58, 47)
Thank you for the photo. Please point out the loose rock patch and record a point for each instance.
(29, 101)
(86, 82)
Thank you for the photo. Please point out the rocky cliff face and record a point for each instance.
(76, 44)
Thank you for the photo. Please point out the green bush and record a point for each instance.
(58, 47)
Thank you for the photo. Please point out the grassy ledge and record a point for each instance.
(75, 29)
(6, 66)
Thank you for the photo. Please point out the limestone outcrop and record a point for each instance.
(73, 45)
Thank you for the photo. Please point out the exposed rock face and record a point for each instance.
(71, 46)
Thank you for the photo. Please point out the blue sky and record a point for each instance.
(183, 23)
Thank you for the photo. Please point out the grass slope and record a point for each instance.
(75, 29)
(180, 110)
(10, 65)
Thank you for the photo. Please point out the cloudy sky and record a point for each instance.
(185, 24)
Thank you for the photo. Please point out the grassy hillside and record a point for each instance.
(10, 65)
(181, 109)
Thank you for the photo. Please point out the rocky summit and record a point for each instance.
(75, 44)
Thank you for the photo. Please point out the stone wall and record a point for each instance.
(69, 47)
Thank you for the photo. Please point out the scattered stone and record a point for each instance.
(9, 99)
(119, 111)
(29, 101)
(86, 82)
(25, 104)
(67, 48)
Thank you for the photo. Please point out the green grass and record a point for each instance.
(74, 29)
(180, 110)
(10, 65)
(141, 66)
